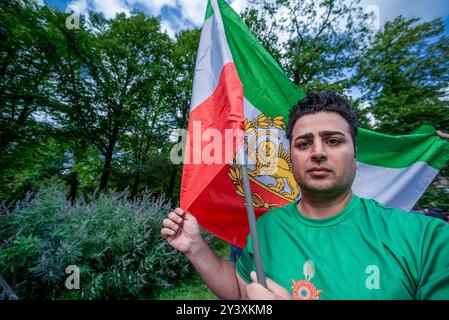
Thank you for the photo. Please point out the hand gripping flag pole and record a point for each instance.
(242, 162)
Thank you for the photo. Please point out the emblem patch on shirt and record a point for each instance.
(305, 289)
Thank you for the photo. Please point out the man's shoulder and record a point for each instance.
(376, 207)
(396, 216)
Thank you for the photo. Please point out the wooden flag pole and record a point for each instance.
(242, 161)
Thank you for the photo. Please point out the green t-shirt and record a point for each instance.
(366, 251)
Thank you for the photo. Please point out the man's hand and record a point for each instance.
(443, 135)
(256, 291)
(181, 230)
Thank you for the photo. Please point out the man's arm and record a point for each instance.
(218, 274)
(182, 232)
(433, 283)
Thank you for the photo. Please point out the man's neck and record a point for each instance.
(323, 208)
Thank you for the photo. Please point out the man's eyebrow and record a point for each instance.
(306, 136)
(330, 133)
(326, 133)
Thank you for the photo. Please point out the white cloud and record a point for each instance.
(78, 7)
(239, 5)
(193, 10)
(111, 7)
(108, 7)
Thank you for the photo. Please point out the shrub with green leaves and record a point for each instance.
(115, 242)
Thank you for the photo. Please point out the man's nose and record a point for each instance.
(318, 152)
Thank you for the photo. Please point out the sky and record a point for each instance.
(177, 15)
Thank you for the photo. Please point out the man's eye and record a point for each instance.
(303, 145)
(333, 142)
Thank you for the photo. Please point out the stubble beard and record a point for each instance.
(325, 189)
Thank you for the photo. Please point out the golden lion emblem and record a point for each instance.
(269, 159)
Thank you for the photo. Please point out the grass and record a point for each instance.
(193, 287)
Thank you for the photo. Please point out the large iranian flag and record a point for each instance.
(239, 86)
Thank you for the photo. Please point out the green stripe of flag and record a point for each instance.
(209, 11)
(401, 151)
(265, 85)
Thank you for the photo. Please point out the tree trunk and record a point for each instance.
(135, 187)
(140, 162)
(107, 163)
(171, 184)
(73, 186)
(106, 170)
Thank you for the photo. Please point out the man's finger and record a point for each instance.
(174, 217)
(443, 135)
(179, 212)
(165, 232)
(255, 291)
(278, 289)
(170, 224)
(273, 287)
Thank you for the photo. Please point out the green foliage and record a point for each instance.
(404, 76)
(105, 96)
(437, 194)
(109, 84)
(26, 168)
(26, 62)
(115, 242)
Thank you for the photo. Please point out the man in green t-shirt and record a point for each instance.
(331, 244)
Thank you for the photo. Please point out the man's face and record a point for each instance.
(322, 154)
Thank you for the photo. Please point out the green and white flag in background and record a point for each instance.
(396, 170)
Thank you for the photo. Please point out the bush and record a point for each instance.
(115, 242)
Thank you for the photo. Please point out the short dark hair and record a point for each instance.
(323, 101)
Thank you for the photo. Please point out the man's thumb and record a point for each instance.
(190, 217)
(254, 276)
(273, 286)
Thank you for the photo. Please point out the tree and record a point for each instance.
(318, 43)
(146, 136)
(404, 76)
(27, 60)
(25, 72)
(111, 73)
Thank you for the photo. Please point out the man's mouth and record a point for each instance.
(319, 171)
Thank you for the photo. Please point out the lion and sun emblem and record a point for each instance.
(269, 163)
